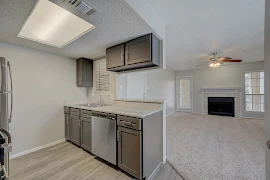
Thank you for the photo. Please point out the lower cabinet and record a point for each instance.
(67, 127)
(75, 128)
(86, 136)
(130, 151)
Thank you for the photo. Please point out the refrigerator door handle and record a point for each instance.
(11, 85)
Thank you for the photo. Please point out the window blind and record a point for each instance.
(254, 91)
(102, 77)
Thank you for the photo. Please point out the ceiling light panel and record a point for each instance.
(52, 25)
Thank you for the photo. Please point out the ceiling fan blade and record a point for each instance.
(231, 60)
(202, 64)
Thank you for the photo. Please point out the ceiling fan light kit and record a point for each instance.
(214, 64)
(216, 61)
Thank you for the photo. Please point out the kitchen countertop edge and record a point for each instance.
(97, 109)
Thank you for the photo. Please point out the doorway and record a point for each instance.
(184, 94)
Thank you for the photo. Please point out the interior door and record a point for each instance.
(130, 151)
(138, 50)
(184, 94)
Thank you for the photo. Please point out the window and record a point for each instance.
(102, 83)
(254, 91)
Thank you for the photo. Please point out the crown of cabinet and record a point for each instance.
(142, 52)
(84, 71)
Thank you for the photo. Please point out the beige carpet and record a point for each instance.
(203, 147)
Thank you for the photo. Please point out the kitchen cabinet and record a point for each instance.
(67, 127)
(138, 50)
(86, 134)
(115, 56)
(86, 130)
(142, 52)
(84, 70)
(130, 145)
(75, 128)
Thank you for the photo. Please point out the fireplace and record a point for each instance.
(222, 106)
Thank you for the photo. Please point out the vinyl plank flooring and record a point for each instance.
(63, 161)
(66, 161)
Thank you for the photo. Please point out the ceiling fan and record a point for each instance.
(215, 61)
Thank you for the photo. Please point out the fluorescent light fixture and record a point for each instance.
(52, 25)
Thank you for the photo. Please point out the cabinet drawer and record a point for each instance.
(85, 119)
(74, 117)
(74, 111)
(86, 114)
(66, 110)
(129, 122)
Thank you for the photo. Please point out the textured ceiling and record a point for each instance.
(117, 22)
(196, 28)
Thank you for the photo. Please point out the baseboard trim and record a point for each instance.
(36, 149)
(244, 117)
(240, 117)
(156, 170)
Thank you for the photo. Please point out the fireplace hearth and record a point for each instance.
(222, 106)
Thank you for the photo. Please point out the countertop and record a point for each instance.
(126, 111)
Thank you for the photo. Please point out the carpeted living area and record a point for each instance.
(204, 147)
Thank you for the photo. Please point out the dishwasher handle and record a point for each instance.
(104, 115)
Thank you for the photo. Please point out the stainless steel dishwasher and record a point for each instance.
(104, 136)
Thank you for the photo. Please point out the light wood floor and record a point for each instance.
(63, 161)
(66, 161)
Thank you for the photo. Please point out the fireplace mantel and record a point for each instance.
(226, 89)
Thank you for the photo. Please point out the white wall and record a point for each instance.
(109, 97)
(42, 82)
(225, 76)
(267, 86)
(159, 85)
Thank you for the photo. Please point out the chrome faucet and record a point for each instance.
(100, 99)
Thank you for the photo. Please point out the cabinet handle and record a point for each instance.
(126, 56)
(122, 55)
(80, 80)
(118, 135)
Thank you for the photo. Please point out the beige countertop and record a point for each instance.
(126, 111)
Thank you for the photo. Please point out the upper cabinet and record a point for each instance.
(84, 72)
(115, 56)
(138, 50)
(138, 53)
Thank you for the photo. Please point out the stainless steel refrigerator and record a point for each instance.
(6, 106)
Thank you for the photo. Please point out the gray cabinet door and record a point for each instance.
(115, 56)
(75, 130)
(130, 151)
(138, 50)
(84, 72)
(67, 127)
(86, 134)
(79, 71)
